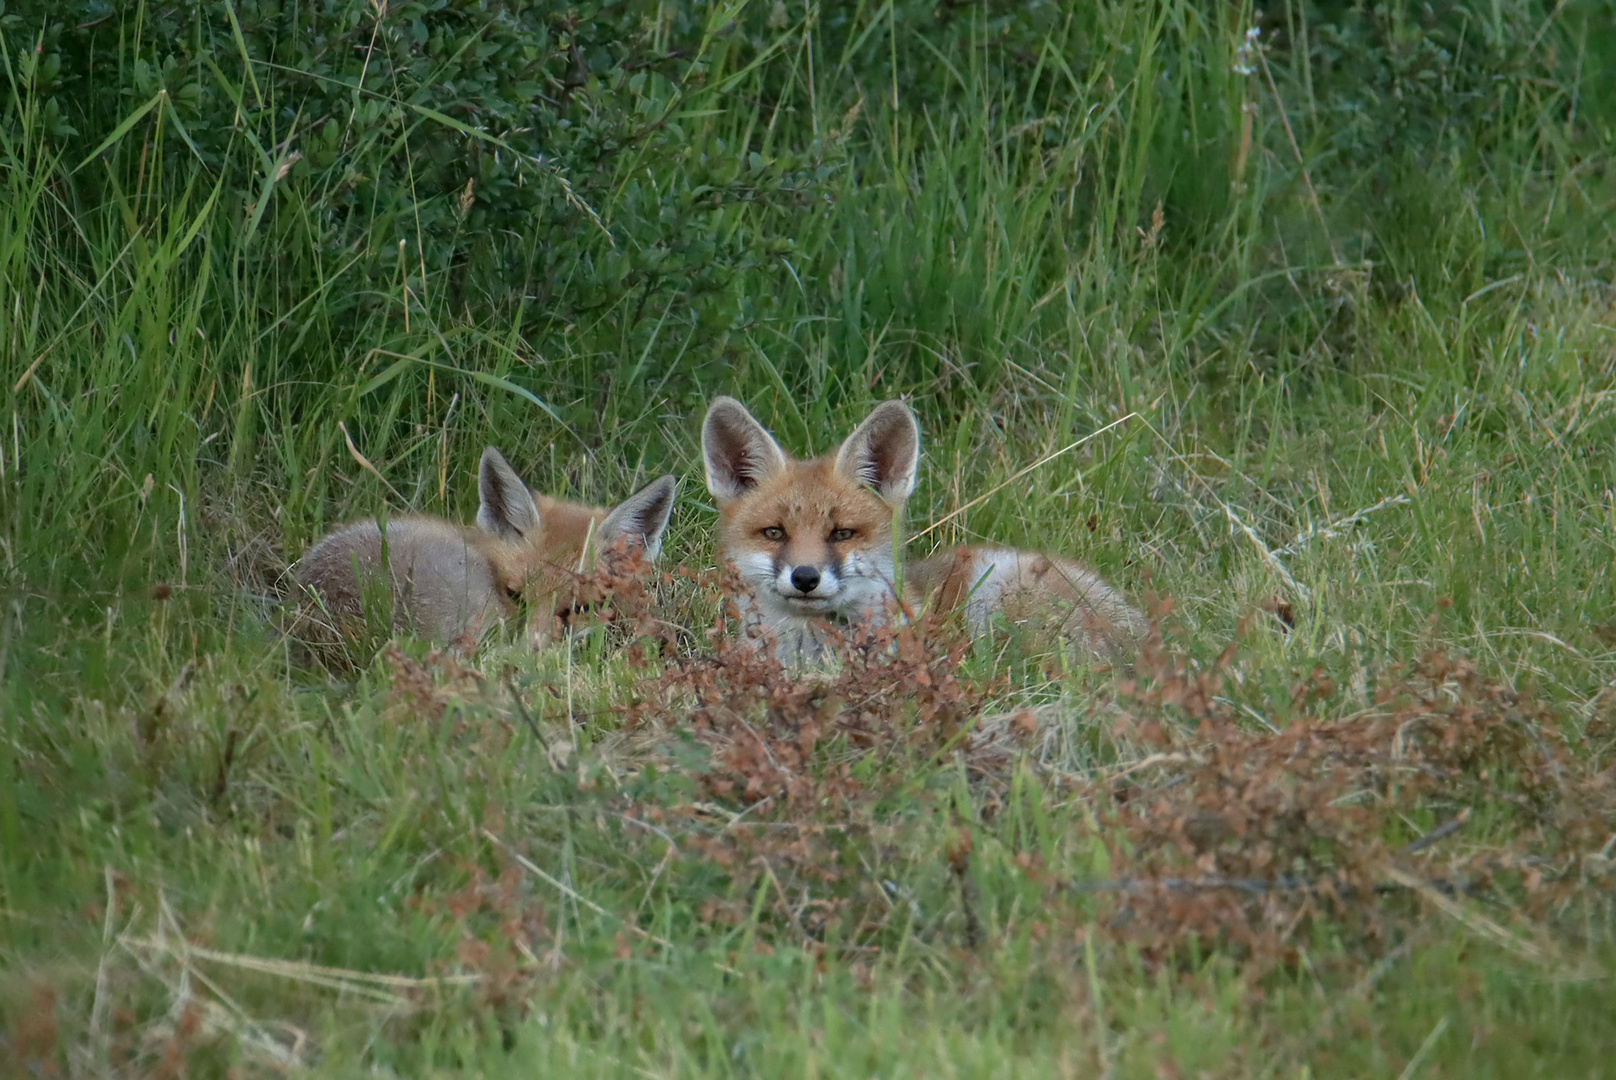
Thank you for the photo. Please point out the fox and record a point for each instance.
(453, 584)
(814, 543)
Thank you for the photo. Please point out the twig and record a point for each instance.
(1424, 1051)
(1268, 556)
(364, 462)
(1263, 886)
(1474, 920)
(1307, 177)
(1046, 459)
(527, 717)
(1330, 529)
(1441, 832)
(1145, 763)
(319, 974)
(531, 867)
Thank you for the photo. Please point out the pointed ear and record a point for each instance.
(883, 453)
(738, 453)
(507, 509)
(641, 518)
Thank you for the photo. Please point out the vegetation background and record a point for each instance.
(1322, 294)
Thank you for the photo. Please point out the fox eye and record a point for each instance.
(838, 535)
(774, 532)
(565, 615)
(513, 594)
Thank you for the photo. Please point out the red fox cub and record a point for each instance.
(813, 543)
(452, 584)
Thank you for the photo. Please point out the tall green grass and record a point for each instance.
(1346, 300)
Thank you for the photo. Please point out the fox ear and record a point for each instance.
(738, 453)
(642, 518)
(883, 453)
(507, 509)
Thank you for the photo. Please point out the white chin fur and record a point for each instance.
(862, 590)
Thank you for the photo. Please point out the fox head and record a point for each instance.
(540, 559)
(811, 538)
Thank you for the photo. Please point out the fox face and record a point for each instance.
(452, 584)
(540, 549)
(811, 539)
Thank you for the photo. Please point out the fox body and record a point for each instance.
(1028, 588)
(452, 584)
(813, 542)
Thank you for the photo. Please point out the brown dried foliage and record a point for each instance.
(33, 1041)
(1248, 838)
(502, 929)
(425, 689)
(891, 688)
(1448, 788)
(805, 757)
(618, 591)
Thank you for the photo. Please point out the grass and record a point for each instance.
(1381, 390)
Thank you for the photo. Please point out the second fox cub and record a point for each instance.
(813, 541)
(451, 584)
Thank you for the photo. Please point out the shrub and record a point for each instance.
(508, 151)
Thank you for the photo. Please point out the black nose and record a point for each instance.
(805, 579)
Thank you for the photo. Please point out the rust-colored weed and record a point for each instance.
(1247, 838)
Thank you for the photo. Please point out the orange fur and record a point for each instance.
(452, 583)
(811, 540)
(814, 541)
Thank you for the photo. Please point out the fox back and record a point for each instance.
(452, 584)
(1030, 589)
(422, 575)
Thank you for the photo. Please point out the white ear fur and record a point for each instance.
(642, 518)
(737, 452)
(507, 509)
(883, 453)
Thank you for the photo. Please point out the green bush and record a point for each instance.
(566, 159)
(477, 144)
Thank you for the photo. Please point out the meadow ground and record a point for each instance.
(1300, 321)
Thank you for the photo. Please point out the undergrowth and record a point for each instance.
(1298, 316)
